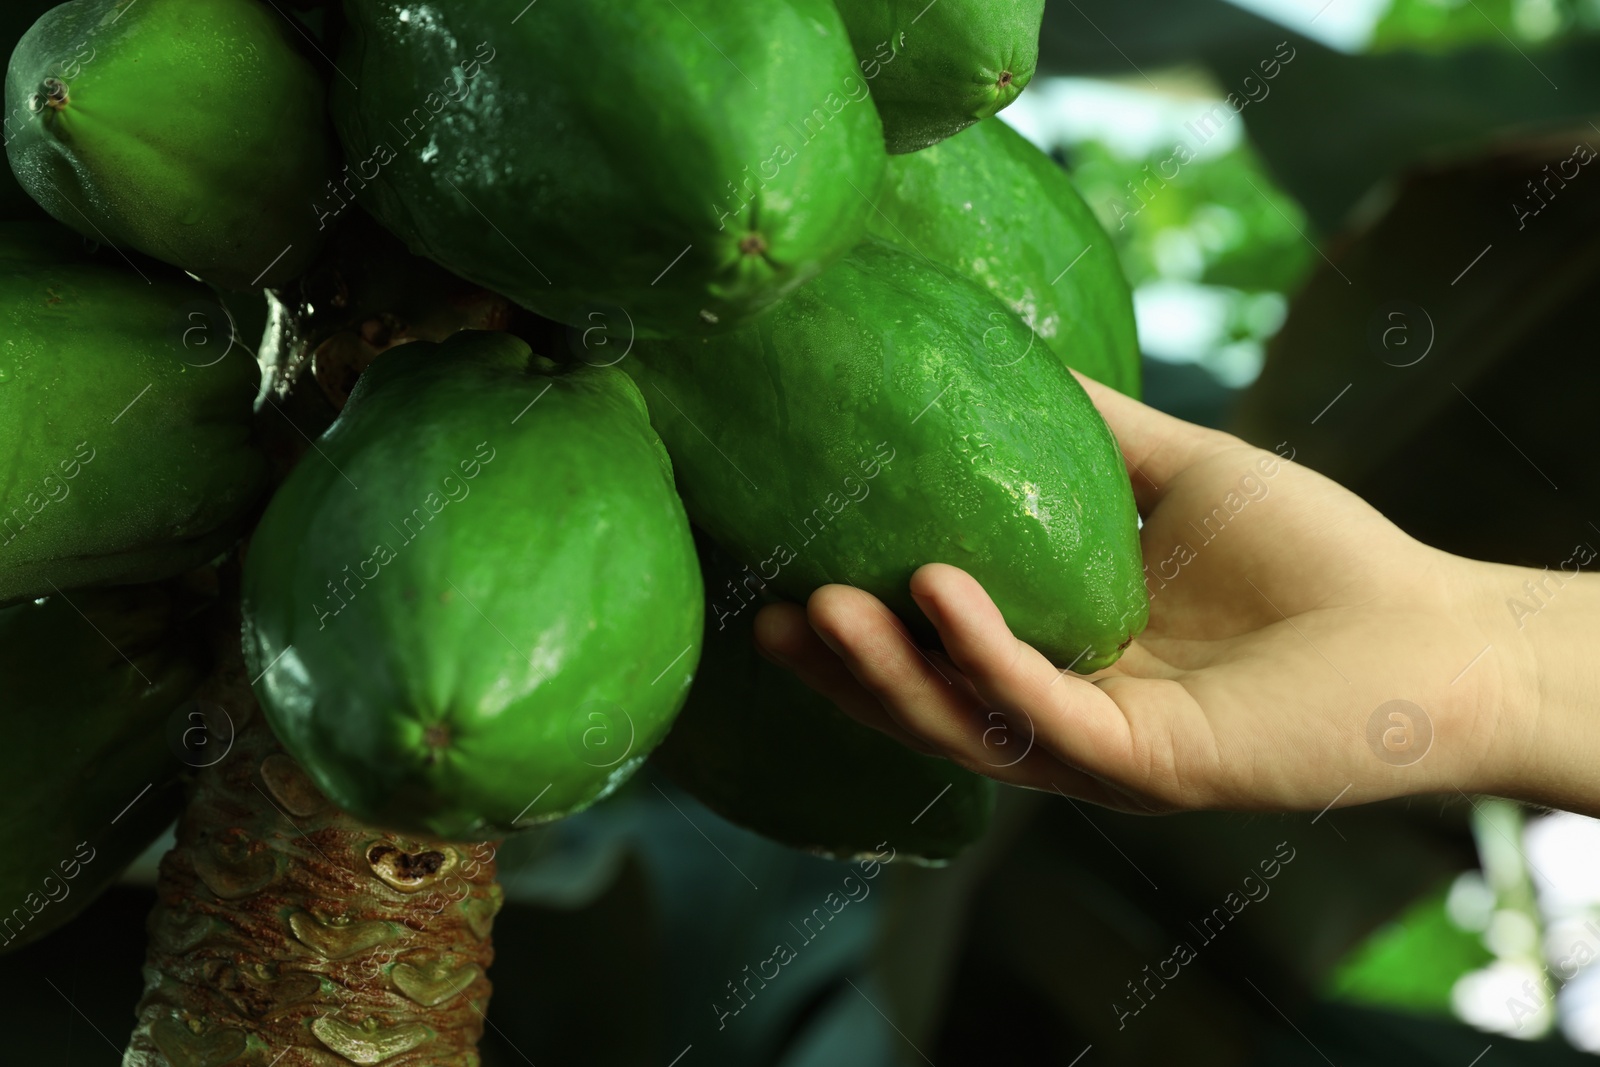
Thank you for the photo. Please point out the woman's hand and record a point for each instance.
(1302, 652)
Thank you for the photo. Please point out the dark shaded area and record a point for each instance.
(1072, 934)
(1459, 326)
(69, 998)
(579, 983)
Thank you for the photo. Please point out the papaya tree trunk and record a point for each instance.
(286, 934)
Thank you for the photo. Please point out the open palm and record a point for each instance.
(1301, 650)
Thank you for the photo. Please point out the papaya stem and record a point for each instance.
(53, 94)
(286, 933)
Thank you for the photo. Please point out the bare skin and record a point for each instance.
(1276, 643)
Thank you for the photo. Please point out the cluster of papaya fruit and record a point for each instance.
(819, 305)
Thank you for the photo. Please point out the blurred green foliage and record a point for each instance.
(1216, 221)
(1412, 962)
(1220, 221)
(1439, 25)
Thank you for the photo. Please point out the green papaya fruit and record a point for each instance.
(127, 444)
(891, 414)
(91, 685)
(669, 167)
(990, 204)
(192, 130)
(477, 606)
(15, 19)
(762, 750)
(936, 68)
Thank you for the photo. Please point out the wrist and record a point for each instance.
(1537, 713)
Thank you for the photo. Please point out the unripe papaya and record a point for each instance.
(993, 206)
(892, 414)
(15, 19)
(671, 166)
(476, 606)
(191, 130)
(937, 68)
(90, 685)
(127, 440)
(761, 749)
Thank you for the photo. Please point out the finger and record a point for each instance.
(1012, 750)
(886, 661)
(1155, 446)
(783, 635)
(1075, 720)
(942, 707)
(933, 703)
(1007, 672)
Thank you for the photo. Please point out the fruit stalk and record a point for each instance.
(287, 933)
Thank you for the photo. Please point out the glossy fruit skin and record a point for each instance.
(86, 732)
(194, 131)
(127, 439)
(569, 158)
(508, 658)
(937, 68)
(762, 750)
(892, 414)
(990, 204)
(15, 19)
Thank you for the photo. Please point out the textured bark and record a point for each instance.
(286, 934)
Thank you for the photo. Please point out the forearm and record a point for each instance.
(1543, 627)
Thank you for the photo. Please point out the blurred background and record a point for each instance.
(1384, 253)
